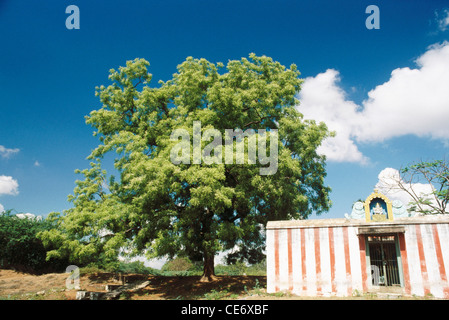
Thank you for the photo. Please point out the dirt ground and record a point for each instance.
(23, 286)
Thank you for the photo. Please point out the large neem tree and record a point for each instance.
(196, 209)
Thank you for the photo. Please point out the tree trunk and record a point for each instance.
(208, 270)
(208, 251)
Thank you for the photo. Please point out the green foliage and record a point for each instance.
(137, 267)
(21, 249)
(192, 210)
(181, 266)
(257, 269)
(240, 268)
(236, 269)
(434, 173)
(178, 264)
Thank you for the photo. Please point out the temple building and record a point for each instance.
(379, 247)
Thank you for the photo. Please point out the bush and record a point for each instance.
(178, 264)
(240, 268)
(235, 269)
(135, 267)
(258, 269)
(21, 250)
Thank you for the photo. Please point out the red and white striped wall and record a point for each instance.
(327, 257)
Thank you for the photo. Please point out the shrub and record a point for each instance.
(21, 249)
(240, 268)
(178, 264)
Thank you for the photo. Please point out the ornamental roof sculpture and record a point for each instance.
(378, 207)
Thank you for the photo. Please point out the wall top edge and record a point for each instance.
(343, 222)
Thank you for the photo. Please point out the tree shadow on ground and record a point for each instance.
(190, 287)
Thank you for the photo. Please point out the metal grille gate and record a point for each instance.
(384, 262)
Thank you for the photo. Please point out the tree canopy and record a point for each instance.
(154, 206)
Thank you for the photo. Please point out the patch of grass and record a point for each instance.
(216, 295)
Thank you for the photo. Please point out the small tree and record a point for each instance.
(426, 183)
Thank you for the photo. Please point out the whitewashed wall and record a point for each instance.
(326, 257)
(428, 259)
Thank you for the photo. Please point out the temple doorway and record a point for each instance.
(383, 256)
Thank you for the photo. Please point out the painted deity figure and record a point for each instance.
(378, 209)
(378, 213)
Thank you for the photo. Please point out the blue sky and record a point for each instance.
(48, 75)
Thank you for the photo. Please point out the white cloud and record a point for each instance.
(37, 163)
(443, 22)
(412, 101)
(6, 153)
(8, 186)
(28, 216)
(388, 184)
(323, 100)
(2, 208)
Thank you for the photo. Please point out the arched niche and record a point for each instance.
(378, 207)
